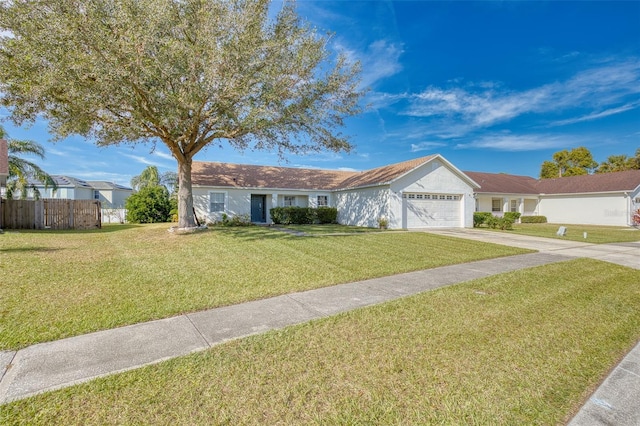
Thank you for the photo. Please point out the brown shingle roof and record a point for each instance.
(383, 175)
(503, 184)
(250, 176)
(602, 182)
(511, 184)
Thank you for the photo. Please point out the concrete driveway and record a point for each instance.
(626, 254)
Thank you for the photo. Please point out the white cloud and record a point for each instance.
(597, 115)
(163, 155)
(514, 143)
(426, 146)
(479, 106)
(380, 60)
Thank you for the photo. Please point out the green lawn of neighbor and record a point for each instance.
(520, 348)
(57, 284)
(595, 234)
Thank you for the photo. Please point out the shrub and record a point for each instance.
(149, 205)
(514, 216)
(481, 218)
(327, 215)
(533, 219)
(237, 220)
(292, 215)
(504, 223)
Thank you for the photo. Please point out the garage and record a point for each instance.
(423, 210)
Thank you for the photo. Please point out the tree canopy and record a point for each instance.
(186, 73)
(620, 163)
(579, 161)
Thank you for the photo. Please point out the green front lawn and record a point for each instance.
(595, 234)
(526, 347)
(57, 284)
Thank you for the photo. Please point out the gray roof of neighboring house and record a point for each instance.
(71, 182)
(106, 186)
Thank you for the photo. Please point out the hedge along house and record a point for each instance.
(598, 199)
(420, 193)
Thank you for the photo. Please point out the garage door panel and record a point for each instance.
(423, 213)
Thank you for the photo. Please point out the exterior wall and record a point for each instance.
(363, 207)
(119, 197)
(238, 201)
(527, 205)
(435, 178)
(114, 198)
(583, 209)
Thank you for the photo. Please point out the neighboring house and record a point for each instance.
(111, 195)
(598, 199)
(420, 193)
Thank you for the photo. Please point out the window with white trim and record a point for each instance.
(216, 202)
(496, 205)
(323, 200)
(96, 194)
(514, 205)
(289, 200)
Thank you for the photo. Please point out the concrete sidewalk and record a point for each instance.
(62, 363)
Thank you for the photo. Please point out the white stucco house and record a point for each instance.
(421, 193)
(425, 192)
(598, 199)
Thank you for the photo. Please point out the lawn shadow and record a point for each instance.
(29, 250)
(104, 229)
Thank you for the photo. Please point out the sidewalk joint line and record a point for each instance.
(198, 330)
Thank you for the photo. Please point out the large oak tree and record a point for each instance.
(187, 73)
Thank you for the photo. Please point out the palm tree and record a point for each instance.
(21, 170)
(149, 177)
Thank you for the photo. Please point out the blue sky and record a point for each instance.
(492, 86)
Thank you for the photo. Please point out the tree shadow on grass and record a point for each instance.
(29, 249)
(103, 230)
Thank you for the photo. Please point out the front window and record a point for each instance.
(289, 200)
(96, 194)
(323, 200)
(496, 205)
(216, 202)
(514, 205)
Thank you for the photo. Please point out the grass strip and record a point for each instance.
(59, 284)
(525, 347)
(595, 234)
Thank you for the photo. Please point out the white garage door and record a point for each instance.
(432, 210)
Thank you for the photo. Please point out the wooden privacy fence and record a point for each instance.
(50, 214)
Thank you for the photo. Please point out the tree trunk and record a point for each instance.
(185, 195)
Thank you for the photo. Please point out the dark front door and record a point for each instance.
(258, 208)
